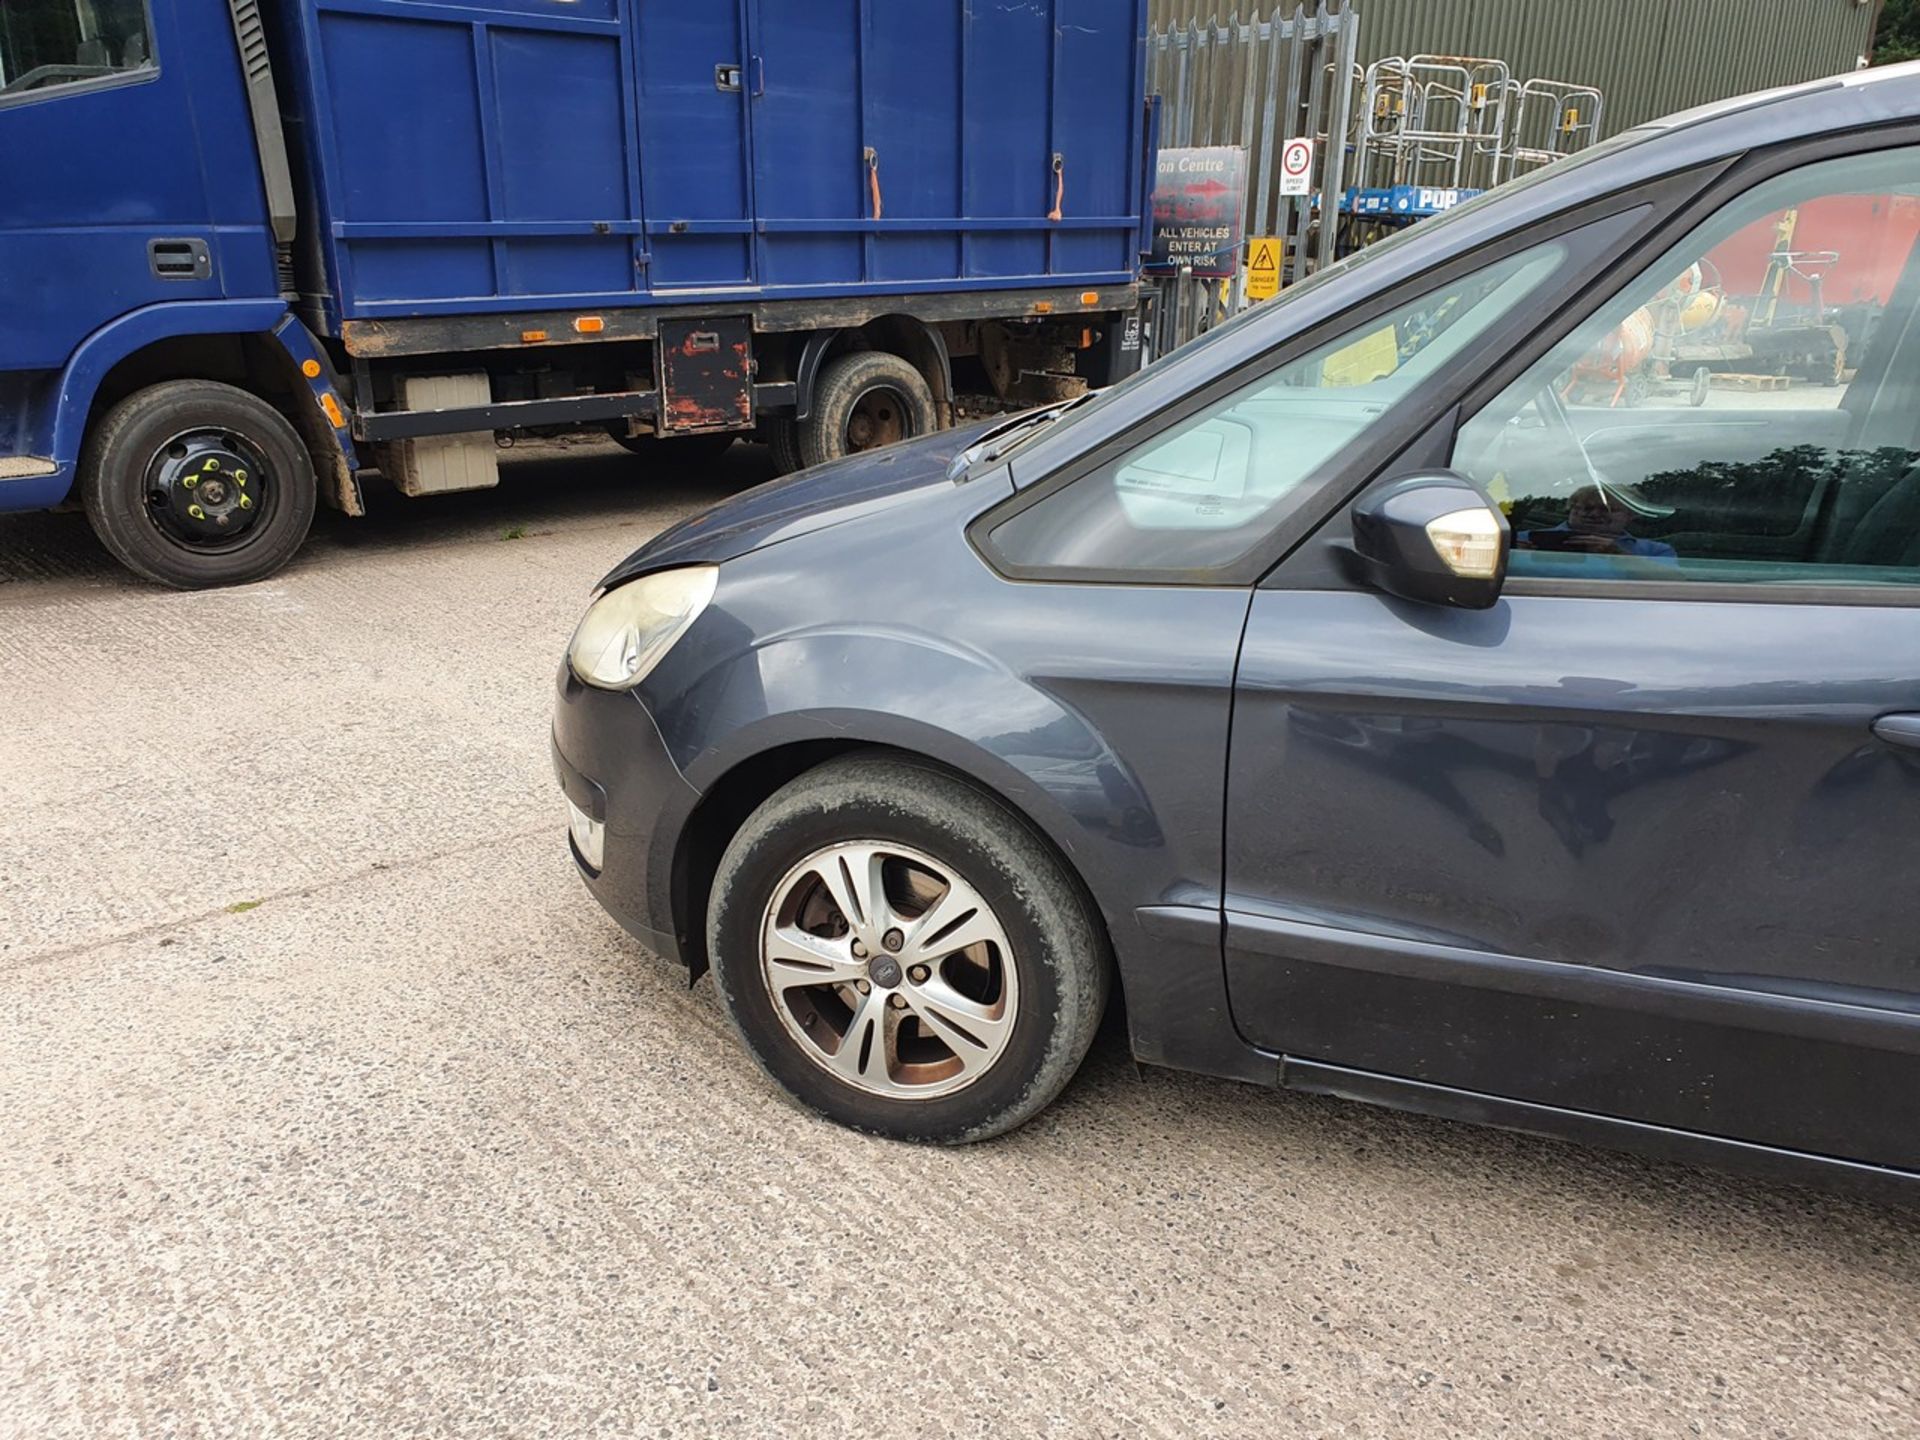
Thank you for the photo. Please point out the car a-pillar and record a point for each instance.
(198, 466)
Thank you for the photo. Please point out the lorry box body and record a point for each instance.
(529, 154)
(336, 205)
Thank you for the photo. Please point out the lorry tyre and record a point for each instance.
(863, 401)
(782, 434)
(194, 484)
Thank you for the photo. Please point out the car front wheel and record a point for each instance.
(903, 954)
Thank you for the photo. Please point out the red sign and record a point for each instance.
(1199, 199)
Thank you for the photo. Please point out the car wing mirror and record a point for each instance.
(1433, 537)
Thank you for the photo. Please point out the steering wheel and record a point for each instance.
(1553, 407)
(1553, 447)
(43, 74)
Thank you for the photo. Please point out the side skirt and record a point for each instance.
(1659, 1141)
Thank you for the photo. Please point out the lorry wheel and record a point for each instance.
(863, 401)
(193, 484)
(782, 435)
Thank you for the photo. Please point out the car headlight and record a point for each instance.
(626, 631)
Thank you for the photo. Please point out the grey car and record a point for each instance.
(1484, 681)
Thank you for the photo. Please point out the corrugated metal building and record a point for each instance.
(1649, 57)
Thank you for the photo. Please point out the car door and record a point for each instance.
(1634, 841)
(1147, 542)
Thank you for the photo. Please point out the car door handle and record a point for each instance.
(1899, 730)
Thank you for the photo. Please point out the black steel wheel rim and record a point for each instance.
(209, 489)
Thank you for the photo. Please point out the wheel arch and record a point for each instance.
(254, 346)
(728, 800)
(913, 340)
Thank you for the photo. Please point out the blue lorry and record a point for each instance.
(248, 249)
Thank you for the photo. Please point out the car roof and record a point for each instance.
(1726, 129)
(1895, 76)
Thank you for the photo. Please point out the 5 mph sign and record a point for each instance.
(1296, 167)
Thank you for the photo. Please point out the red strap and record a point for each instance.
(873, 179)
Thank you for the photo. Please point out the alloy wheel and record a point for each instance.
(889, 970)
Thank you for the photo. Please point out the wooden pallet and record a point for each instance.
(1734, 380)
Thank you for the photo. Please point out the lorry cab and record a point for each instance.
(142, 279)
(245, 251)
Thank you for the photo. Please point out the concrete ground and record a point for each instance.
(333, 1106)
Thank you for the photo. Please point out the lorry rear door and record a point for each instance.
(696, 79)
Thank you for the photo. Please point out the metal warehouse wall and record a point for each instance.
(1650, 57)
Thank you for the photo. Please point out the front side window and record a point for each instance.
(1203, 492)
(1745, 410)
(45, 44)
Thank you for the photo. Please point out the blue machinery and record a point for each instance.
(1433, 130)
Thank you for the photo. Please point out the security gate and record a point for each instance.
(1257, 84)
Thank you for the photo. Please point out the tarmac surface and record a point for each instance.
(333, 1105)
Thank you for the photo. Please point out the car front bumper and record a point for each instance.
(626, 799)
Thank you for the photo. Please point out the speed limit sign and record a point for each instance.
(1296, 167)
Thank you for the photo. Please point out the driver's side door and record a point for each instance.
(1636, 841)
(113, 113)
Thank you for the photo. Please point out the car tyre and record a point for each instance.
(863, 401)
(1054, 965)
(142, 466)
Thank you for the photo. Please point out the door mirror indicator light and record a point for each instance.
(1432, 537)
(1469, 541)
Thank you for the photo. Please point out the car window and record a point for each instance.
(1202, 492)
(1744, 410)
(46, 44)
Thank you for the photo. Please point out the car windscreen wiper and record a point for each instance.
(1003, 439)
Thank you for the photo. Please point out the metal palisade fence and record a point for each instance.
(1256, 84)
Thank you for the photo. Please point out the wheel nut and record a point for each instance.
(864, 986)
(897, 1000)
(893, 940)
(919, 974)
(859, 951)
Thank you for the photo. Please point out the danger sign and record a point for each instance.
(1296, 167)
(1263, 267)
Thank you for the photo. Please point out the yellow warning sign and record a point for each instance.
(1263, 267)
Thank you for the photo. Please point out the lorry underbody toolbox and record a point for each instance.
(707, 375)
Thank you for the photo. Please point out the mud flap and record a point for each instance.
(323, 425)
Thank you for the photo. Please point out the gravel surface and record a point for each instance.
(335, 1107)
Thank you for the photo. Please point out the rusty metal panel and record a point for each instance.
(1649, 57)
(706, 374)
